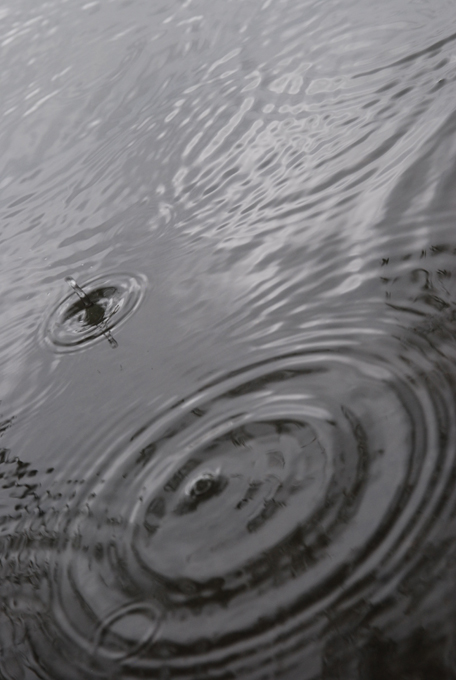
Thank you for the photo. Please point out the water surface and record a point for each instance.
(236, 456)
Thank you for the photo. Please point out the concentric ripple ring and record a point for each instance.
(72, 325)
(231, 521)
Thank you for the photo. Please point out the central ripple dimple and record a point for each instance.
(230, 497)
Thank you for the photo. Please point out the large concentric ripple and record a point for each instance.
(212, 543)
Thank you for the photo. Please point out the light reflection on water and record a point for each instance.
(259, 481)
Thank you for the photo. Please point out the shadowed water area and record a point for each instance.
(227, 340)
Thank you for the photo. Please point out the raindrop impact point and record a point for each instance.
(95, 314)
(102, 304)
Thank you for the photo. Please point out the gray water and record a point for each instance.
(233, 455)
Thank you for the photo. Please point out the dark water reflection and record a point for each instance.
(260, 481)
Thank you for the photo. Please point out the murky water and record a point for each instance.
(228, 340)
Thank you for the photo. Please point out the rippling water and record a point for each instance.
(228, 448)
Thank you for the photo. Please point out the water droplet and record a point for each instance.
(92, 312)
